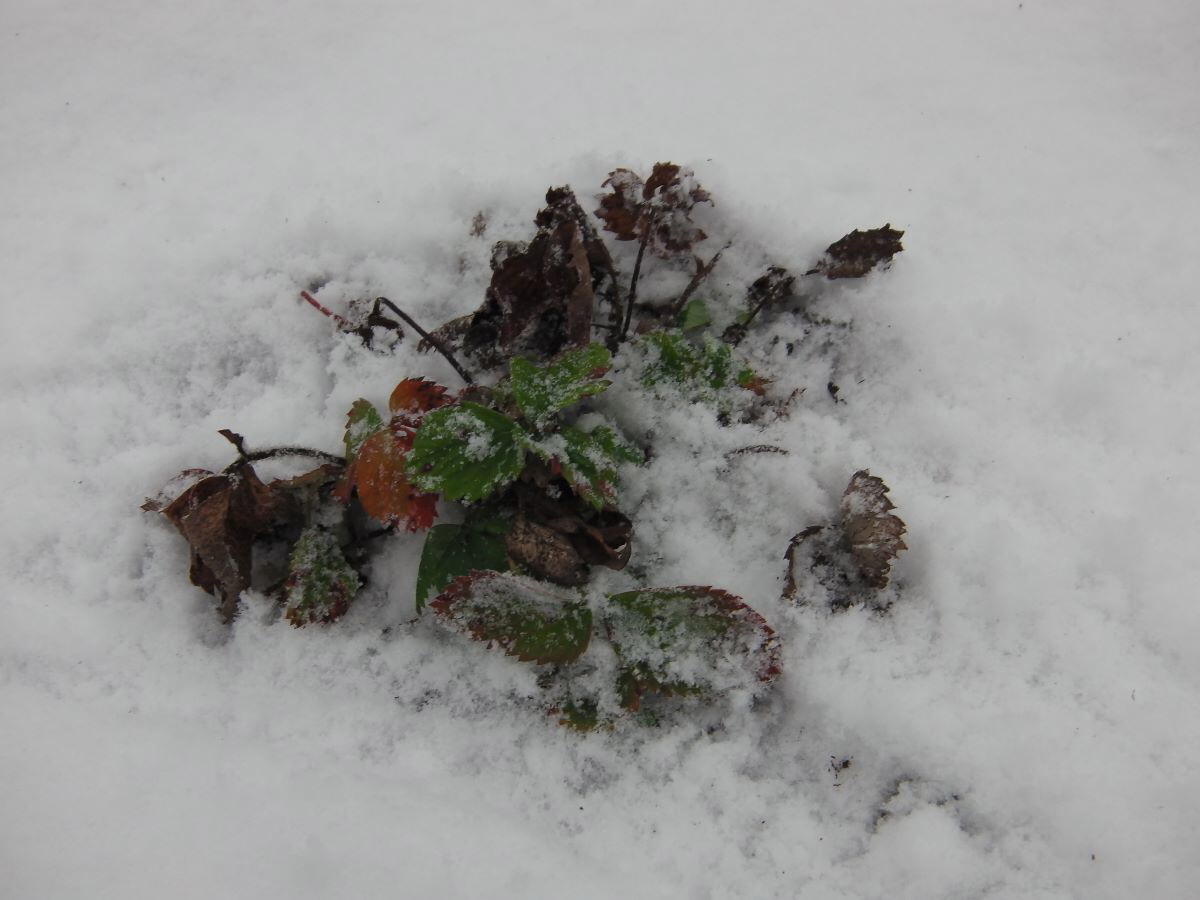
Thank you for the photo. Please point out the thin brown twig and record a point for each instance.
(703, 270)
(637, 268)
(430, 339)
(756, 448)
(245, 456)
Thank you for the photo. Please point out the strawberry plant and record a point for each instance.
(530, 465)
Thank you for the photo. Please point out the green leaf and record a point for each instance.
(362, 422)
(466, 452)
(685, 640)
(454, 550)
(589, 459)
(517, 614)
(320, 583)
(694, 315)
(581, 714)
(541, 391)
(676, 359)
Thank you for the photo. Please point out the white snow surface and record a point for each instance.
(1022, 724)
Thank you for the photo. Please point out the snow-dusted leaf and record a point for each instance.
(859, 252)
(380, 477)
(362, 421)
(701, 370)
(590, 459)
(621, 208)
(656, 211)
(541, 391)
(454, 550)
(671, 192)
(320, 583)
(517, 614)
(686, 640)
(580, 713)
(466, 452)
(873, 534)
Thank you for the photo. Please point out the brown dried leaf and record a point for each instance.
(541, 295)
(220, 516)
(859, 252)
(872, 533)
(545, 552)
(657, 211)
(621, 208)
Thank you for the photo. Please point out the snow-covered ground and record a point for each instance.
(1023, 724)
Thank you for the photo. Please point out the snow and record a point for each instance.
(1024, 379)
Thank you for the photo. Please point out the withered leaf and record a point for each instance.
(656, 211)
(871, 531)
(557, 534)
(541, 295)
(220, 516)
(859, 252)
(544, 552)
(621, 208)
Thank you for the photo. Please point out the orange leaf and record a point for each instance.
(383, 488)
(416, 395)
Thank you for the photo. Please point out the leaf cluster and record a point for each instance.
(666, 642)
(535, 488)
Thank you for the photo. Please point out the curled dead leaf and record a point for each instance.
(872, 532)
(220, 516)
(541, 295)
(856, 254)
(851, 560)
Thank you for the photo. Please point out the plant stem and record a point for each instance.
(432, 341)
(637, 268)
(703, 270)
(324, 310)
(245, 456)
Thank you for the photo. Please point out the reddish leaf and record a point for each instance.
(859, 252)
(378, 477)
(414, 396)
